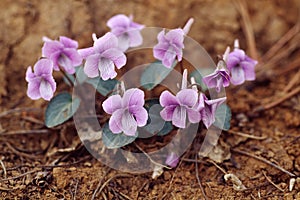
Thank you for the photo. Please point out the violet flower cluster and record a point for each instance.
(236, 67)
(188, 104)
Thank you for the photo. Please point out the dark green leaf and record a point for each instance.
(80, 75)
(223, 117)
(154, 74)
(61, 108)
(155, 124)
(103, 87)
(113, 141)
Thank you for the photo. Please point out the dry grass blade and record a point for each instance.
(292, 82)
(247, 27)
(270, 181)
(19, 132)
(247, 135)
(264, 160)
(198, 179)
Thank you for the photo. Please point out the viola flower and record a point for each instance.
(218, 79)
(241, 66)
(102, 57)
(41, 83)
(63, 53)
(207, 109)
(172, 160)
(127, 31)
(176, 108)
(127, 112)
(170, 45)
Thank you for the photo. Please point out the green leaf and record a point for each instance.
(223, 117)
(61, 108)
(155, 124)
(154, 74)
(70, 78)
(113, 141)
(199, 76)
(103, 87)
(81, 77)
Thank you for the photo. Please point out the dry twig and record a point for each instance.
(247, 135)
(264, 160)
(270, 181)
(198, 179)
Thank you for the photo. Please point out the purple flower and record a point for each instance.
(176, 108)
(218, 79)
(41, 83)
(169, 46)
(127, 112)
(241, 67)
(102, 57)
(63, 53)
(207, 109)
(127, 31)
(172, 160)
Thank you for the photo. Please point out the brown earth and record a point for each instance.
(27, 148)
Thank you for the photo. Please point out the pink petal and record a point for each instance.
(237, 75)
(33, 90)
(169, 58)
(74, 56)
(176, 37)
(91, 66)
(51, 47)
(86, 52)
(140, 114)
(115, 121)
(68, 43)
(135, 38)
(118, 20)
(43, 67)
(112, 104)
(129, 125)
(29, 74)
(117, 56)
(194, 116)
(133, 97)
(123, 42)
(46, 90)
(108, 41)
(187, 97)
(66, 64)
(167, 99)
(107, 69)
(179, 117)
(167, 112)
(159, 50)
(249, 70)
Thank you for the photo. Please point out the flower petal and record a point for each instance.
(29, 74)
(117, 56)
(135, 37)
(43, 67)
(176, 37)
(193, 116)
(187, 97)
(86, 52)
(66, 64)
(51, 47)
(159, 50)
(172, 160)
(118, 20)
(249, 70)
(91, 66)
(46, 90)
(74, 56)
(112, 104)
(140, 114)
(237, 75)
(169, 57)
(108, 41)
(179, 117)
(33, 90)
(115, 124)
(167, 99)
(68, 42)
(123, 42)
(167, 112)
(129, 125)
(107, 69)
(133, 97)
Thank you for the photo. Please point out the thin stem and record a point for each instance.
(67, 77)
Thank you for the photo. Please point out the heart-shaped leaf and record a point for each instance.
(154, 74)
(103, 87)
(61, 108)
(223, 117)
(113, 141)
